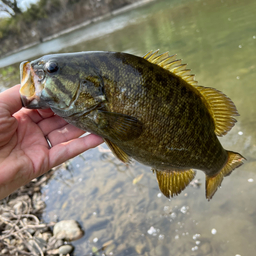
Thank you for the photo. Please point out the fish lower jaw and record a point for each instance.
(27, 102)
(32, 103)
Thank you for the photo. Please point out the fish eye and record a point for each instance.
(51, 67)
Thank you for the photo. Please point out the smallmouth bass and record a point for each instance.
(147, 108)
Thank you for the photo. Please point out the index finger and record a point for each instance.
(11, 99)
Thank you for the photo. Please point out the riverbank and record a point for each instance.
(9, 65)
(92, 15)
(23, 232)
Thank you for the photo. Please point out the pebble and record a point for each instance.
(54, 243)
(21, 247)
(184, 209)
(4, 251)
(152, 231)
(46, 236)
(161, 237)
(65, 249)
(214, 231)
(68, 230)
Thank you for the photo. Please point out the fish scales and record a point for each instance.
(165, 132)
(143, 107)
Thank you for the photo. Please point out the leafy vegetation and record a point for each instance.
(9, 76)
(48, 17)
(10, 7)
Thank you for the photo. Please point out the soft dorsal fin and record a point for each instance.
(221, 108)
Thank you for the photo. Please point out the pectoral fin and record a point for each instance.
(118, 126)
(171, 183)
(119, 153)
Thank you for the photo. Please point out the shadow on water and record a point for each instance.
(218, 41)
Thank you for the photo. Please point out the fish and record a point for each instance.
(150, 109)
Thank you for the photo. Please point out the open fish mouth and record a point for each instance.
(31, 88)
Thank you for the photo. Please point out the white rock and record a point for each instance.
(65, 249)
(68, 230)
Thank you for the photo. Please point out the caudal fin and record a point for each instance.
(212, 183)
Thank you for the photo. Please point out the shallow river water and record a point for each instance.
(217, 38)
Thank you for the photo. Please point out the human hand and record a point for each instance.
(24, 151)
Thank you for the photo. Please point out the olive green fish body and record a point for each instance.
(144, 108)
(178, 131)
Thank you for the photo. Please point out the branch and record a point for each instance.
(10, 7)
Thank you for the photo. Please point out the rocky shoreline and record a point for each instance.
(22, 229)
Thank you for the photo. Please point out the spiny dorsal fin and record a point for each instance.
(171, 183)
(212, 183)
(171, 64)
(221, 108)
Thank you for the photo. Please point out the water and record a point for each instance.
(218, 41)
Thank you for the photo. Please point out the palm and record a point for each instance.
(24, 152)
(31, 142)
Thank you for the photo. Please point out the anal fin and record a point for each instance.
(171, 183)
(119, 153)
(213, 183)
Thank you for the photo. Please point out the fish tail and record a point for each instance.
(212, 183)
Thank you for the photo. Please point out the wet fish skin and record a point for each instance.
(183, 138)
(141, 109)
